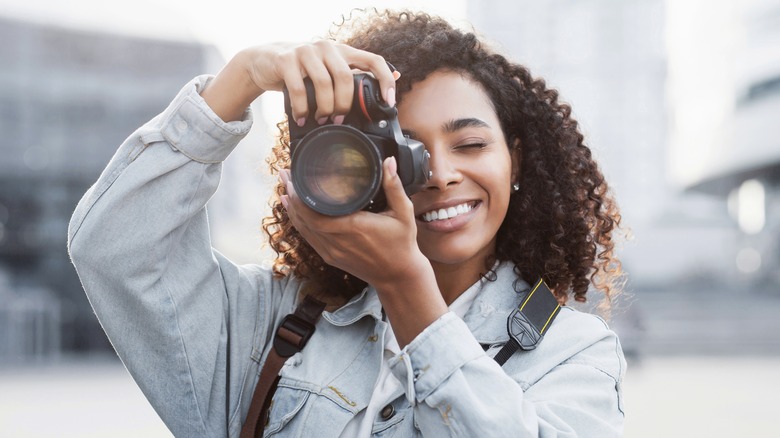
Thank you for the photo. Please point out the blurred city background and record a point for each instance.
(680, 102)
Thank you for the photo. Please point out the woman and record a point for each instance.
(514, 196)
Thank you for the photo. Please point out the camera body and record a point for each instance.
(337, 169)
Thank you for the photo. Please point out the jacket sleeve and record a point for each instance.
(182, 318)
(460, 391)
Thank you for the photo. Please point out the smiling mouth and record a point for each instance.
(447, 213)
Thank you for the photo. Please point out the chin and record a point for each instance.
(455, 256)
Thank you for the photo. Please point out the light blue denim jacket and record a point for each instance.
(193, 328)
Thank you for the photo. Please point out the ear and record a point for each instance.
(517, 157)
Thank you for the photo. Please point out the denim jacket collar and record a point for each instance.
(365, 303)
(486, 318)
(500, 295)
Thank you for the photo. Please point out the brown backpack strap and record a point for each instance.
(291, 336)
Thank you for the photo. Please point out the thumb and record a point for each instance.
(394, 190)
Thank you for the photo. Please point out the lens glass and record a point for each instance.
(340, 174)
(336, 170)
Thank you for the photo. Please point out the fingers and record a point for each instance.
(329, 66)
(397, 201)
(319, 231)
(377, 65)
(332, 80)
(293, 80)
(358, 243)
(290, 198)
(342, 80)
(299, 213)
(291, 203)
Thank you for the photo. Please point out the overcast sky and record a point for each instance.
(229, 24)
(700, 35)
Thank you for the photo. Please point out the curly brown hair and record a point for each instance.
(560, 223)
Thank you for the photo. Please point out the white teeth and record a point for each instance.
(449, 213)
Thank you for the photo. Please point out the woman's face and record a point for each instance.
(464, 203)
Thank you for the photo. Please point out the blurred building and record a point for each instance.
(744, 168)
(609, 61)
(679, 102)
(67, 100)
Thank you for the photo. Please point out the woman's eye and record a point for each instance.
(478, 145)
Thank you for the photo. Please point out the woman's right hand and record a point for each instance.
(330, 66)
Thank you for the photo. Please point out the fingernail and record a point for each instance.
(396, 75)
(390, 96)
(283, 198)
(322, 120)
(300, 122)
(392, 166)
(338, 120)
(283, 176)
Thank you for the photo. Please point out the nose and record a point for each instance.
(444, 171)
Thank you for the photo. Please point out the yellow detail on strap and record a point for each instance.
(550, 319)
(528, 298)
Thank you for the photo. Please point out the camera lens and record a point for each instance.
(336, 170)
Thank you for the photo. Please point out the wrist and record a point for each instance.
(416, 272)
(232, 90)
(412, 301)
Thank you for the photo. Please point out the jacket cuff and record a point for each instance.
(434, 355)
(192, 127)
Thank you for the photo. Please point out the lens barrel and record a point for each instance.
(336, 170)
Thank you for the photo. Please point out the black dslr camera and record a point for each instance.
(337, 169)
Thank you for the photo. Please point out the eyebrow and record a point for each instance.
(454, 125)
(458, 124)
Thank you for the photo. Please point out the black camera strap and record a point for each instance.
(528, 323)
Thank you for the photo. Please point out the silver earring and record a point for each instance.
(515, 187)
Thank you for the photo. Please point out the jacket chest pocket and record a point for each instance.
(285, 405)
(299, 409)
(393, 420)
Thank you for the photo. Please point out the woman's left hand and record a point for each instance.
(375, 247)
(379, 248)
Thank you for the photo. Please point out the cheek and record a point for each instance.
(501, 188)
(501, 202)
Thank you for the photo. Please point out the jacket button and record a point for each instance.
(387, 412)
